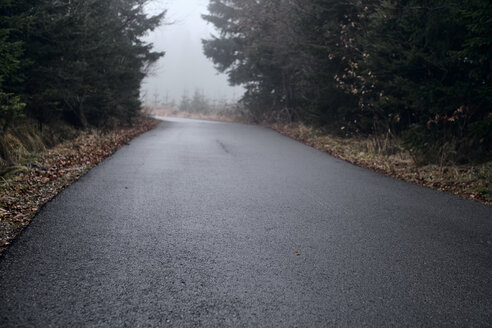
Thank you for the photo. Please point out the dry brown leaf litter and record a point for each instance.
(470, 181)
(23, 193)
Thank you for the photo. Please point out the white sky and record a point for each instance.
(184, 67)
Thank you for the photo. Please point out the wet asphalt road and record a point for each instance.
(202, 224)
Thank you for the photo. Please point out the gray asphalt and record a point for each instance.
(205, 224)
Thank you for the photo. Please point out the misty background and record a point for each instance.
(184, 69)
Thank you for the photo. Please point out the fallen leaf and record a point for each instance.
(18, 217)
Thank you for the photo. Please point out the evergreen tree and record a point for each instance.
(413, 67)
(199, 104)
(250, 50)
(10, 51)
(85, 59)
(415, 75)
(185, 103)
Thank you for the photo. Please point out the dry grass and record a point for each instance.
(21, 144)
(221, 116)
(385, 155)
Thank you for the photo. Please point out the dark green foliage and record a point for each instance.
(254, 48)
(422, 76)
(405, 67)
(10, 50)
(82, 60)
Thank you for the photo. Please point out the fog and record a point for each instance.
(184, 67)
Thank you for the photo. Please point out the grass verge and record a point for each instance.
(382, 154)
(40, 175)
(220, 116)
(385, 155)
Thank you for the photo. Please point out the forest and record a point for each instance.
(76, 61)
(415, 70)
(70, 77)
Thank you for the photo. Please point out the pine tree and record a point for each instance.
(85, 59)
(11, 105)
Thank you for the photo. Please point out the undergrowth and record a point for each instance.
(33, 171)
(21, 145)
(387, 154)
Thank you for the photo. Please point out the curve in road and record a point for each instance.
(213, 224)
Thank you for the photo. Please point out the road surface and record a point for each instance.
(206, 224)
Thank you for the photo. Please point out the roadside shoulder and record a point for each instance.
(25, 189)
